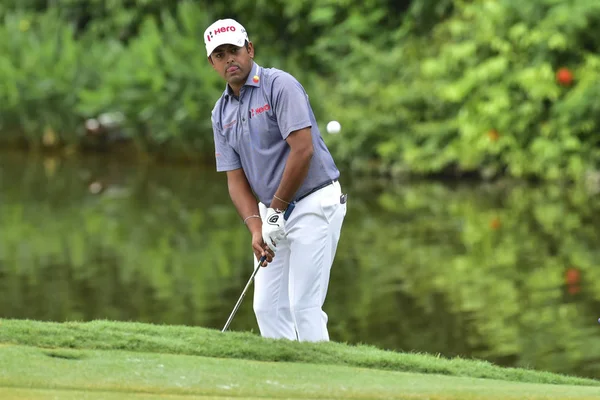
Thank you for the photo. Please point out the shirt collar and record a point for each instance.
(253, 79)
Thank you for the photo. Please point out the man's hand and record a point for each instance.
(273, 228)
(261, 249)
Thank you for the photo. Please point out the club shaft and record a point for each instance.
(239, 302)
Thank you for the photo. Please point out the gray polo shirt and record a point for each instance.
(250, 132)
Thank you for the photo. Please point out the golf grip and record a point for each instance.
(286, 215)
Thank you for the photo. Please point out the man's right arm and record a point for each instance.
(243, 199)
(246, 205)
(239, 190)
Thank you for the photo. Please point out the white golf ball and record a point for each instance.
(92, 124)
(333, 127)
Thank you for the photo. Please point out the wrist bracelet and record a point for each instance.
(280, 199)
(250, 216)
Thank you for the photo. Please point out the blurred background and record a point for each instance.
(469, 149)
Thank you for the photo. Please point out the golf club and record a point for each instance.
(286, 215)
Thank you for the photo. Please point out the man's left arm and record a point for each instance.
(296, 167)
(290, 104)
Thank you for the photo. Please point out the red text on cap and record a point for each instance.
(222, 29)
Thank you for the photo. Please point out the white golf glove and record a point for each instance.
(273, 228)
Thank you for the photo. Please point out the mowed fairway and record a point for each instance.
(35, 373)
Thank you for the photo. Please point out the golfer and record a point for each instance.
(267, 140)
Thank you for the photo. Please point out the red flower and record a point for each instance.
(572, 276)
(564, 76)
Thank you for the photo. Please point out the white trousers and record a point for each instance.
(289, 293)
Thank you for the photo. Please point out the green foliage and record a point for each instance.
(479, 93)
(107, 19)
(163, 84)
(451, 86)
(42, 71)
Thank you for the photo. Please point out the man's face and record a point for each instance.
(233, 63)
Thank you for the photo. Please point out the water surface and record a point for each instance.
(503, 272)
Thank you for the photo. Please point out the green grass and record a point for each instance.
(115, 360)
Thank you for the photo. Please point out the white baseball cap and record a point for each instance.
(224, 31)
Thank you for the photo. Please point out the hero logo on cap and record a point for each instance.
(219, 30)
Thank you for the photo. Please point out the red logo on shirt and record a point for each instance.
(254, 112)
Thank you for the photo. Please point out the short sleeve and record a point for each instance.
(290, 103)
(226, 157)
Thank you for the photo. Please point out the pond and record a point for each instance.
(506, 272)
